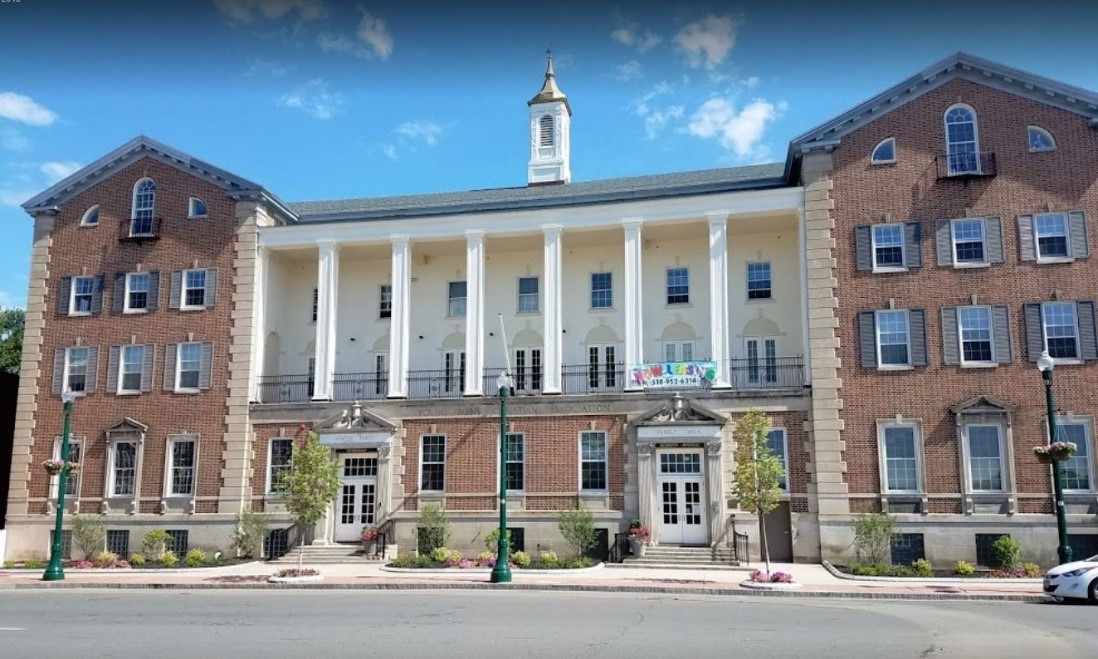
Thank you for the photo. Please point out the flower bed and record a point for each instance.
(962, 570)
(443, 558)
(758, 576)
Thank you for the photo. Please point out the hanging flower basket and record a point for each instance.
(1058, 451)
(54, 467)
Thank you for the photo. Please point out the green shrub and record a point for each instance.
(866, 570)
(432, 529)
(521, 559)
(401, 561)
(89, 534)
(137, 560)
(1032, 570)
(9, 565)
(491, 542)
(548, 560)
(34, 563)
(169, 559)
(485, 556)
(873, 535)
(106, 557)
(580, 562)
(155, 544)
(248, 535)
(195, 558)
(1008, 552)
(964, 568)
(922, 568)
(578, 529)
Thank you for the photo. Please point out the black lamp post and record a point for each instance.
(501, 573)
(1046, 364)
(54, 571)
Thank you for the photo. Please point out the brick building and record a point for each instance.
(854, 293)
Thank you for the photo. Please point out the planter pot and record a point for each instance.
(1044, 458)
(369, 547)
(637, 548)
(1061, 457)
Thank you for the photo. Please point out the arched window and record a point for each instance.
(91, 217)
(884, 152)
(196, 208)
(1040, 139)
(962, 140)
(545, 130)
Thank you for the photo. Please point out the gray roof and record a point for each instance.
(705, 181)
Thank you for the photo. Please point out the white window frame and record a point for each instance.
(134, 210)
(535, 296)
(877, 334)
(675, 351)
(73, 295)
(873, 160)
(422, 462)
(66, 385)
(667, 285)
(769, 281)
(605, 461)
(991, 336)
(1004, 474)
(385, 301)
(609, 291)
(74, 493)
(1088, 433)
(92, 210)
(169, 467)
(1070, 256)
(270, 463)
(784, 457)
(112, 466)
(179, 388)
(130, 276)
(882, 449)
(191, 215)
(1029, 139)
(451, 300)
(499, 471)
(975, 140)
(903, 247)
(1078, 358)
(184, 288)
(957, 263)
(129, 347)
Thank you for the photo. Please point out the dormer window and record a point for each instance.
(1040, 139)
(196, 208)
(962, 140)
(545, 130)
(91, 217)
(884, 153)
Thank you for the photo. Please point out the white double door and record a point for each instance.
(356, 504)
(680, 488)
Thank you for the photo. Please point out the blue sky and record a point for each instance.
(326, 99)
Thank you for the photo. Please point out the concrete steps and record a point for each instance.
(668, 557)
(331, 554)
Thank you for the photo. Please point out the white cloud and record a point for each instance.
(248, 11)
(707, 42)
(631, 36)
(739, 131)
(264, 68)
(390, 151)
(630, 70)
(426, 131)
(372, 39)
(55, 171)
(314, 98)
(15, 197)
(24, 109)
(656, 119)
(13, 140)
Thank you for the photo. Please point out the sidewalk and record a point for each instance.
(816, 581)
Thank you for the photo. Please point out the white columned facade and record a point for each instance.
(399, 329)
(327, 285)
(718, 296)
(634, 320)
(553, 348)
(259, 337)
(474, 312)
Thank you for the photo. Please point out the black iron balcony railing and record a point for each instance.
(966, 164)
(526, 381)
(139, 229)
(360, 386)
(285, 388)
(436, 384)
(592, 379)
(767, 373)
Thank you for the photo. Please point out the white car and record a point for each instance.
(1077, 580)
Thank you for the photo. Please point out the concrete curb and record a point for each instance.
(138, 570)
(926, 581)
(516, 571)
(578, 588)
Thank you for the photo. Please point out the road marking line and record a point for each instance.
(13, 629)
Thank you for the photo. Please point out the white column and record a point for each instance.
(259, 339)
(802, 257)
(327, 285)
(398, 318)
(474, 312)
(648, 509)
(718, 296)
(553, 350)
(634, 319)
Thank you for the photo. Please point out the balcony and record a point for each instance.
(285, 388)
(773, 373)
(360, 386)
(139, 230)
(965, 165)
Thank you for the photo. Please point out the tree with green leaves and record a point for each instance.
(11, 339)
(310, 485)
(758, 472)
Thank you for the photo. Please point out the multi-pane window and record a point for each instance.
(1052, 235)
(188, 366)
(901, 458)
(123, 468)
(674, 351)
(456, 295)
(385, 301)
(144, 201)
(72, 482)
(194, 289)
(1061, 330)
(316, 304)
(678, 286)
(432, 476)
(515, 465)
(961, 145)
(282, 452)
(133, 359)
(593, 460)
(888, 246)
(118, 542)
(776, 442)
(680, 463)
(180, 541)
(76, 369)
(985, 458)
(527, 369)
(528, 294)
(181, 475)
(758, 280)
(601, 369)
(1076, 469)
(83, 290)
(968, 241)
(137, 291)
(602, 294)
(974, 325)
(66, 543)
(893, 339)
(453, 365)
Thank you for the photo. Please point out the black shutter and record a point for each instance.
(951, 345)
(867, 338)
(943, 238)
(916, 320)
(994, 228)
(64, 292)
(97, 294)
(1088, 340)
(863, 247)
(119, 292)
(58, 370)
(154, 291)
(1035, 331)
(1000, 329)
(913, 244)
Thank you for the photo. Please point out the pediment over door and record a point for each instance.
(983, 405)
(679, 420)
(127, 425)
(355, 427)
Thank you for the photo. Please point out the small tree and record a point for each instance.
(248, 535)
(156, 543)
(89, 533)
(1008, 552)
(758, 473)
(432, 529)
(578, 529)
(873, 536)
(310, 485)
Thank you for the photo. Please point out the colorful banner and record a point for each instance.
(667, 375)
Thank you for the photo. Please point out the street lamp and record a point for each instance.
(1046, 364)
(54, 571)
(501, 573)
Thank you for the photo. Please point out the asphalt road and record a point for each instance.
(481, 625)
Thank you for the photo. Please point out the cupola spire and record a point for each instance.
(550, 132)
